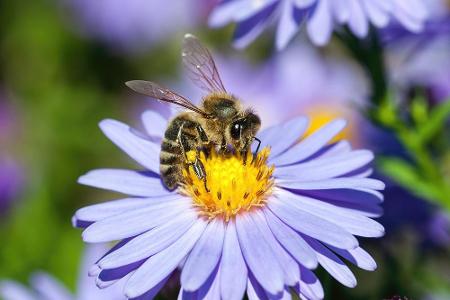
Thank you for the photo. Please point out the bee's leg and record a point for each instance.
(199, 170)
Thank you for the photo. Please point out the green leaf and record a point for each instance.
(419, 110)
(408, 177)
(436, 121)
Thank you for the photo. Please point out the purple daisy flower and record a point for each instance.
(320, 16)
(260, 228)
(46, 287)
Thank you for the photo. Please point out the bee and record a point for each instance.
(220, 121)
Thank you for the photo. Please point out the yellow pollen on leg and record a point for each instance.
(233, 186)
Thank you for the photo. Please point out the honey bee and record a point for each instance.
(220, 121)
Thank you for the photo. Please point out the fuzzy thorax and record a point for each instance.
(234, 186)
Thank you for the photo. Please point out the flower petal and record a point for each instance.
(333, 183)
(292, 132)
(204, 257)
(312, 225)
(254, 289)
(150, 242)
(104, 210)
(291, 241)
(153, 291)
(259, 256)
(309, 286)
(159, 266)
(49, 288)
(377, 15)
(288, 264)
(325, 168)
(358, 22)
(320, 25)
(137, 221)
(11, 290)
(330, 262)
(154, 123)
(310, 144)
(352, 222)
(249, 29)
(141, 150)
(125, 181)
(358, 257)
(287, 25)
(233, 271)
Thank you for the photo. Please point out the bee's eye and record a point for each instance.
(235, 130)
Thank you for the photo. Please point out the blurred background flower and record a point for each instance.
(320, 17)
(137, 25)
(45, 287)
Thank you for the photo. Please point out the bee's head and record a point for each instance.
(243, 129)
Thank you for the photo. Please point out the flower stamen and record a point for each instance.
(234, 187)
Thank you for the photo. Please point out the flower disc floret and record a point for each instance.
(234, 184)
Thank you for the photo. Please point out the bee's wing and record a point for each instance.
(200, 65)
(156, 91)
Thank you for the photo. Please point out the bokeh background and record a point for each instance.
(62, 69)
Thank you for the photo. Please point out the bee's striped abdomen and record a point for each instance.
(180, 130)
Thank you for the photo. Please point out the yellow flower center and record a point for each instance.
(232, 186)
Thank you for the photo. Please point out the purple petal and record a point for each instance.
(287, 25)
(137, 221)
(150, 242)
(107, 277)
(233, 271)
(11, 290)
(159, 266)
(358, 22)
(288, 264)
(324, 168)
(248, 30)
(320, 25)
(153, 291)
(330, 262)
(259, 256)
(291, 241)
(341, 10)
(338, 148)
(49, 288)
(254, 289)
(333, 183)
(154, 123)
(358, 257)
(407, 17)
(101, 211)
(352, 222)
(142, 151)
(356, 196)
(309, 286)
(312, 225)
(377, 15)
(204, 257)
(310, 144)
(125, 181)
(292, 132)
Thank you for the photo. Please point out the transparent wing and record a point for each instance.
(200, 65)
(156, 91)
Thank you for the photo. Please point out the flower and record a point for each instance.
(423, 59)
(320, 16)
(262, 226)
(46, 287)
(137, 24)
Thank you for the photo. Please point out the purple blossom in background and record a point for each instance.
(422, 59)
(137, 24)
(46, 287)
(319, 198)
(319, 16)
